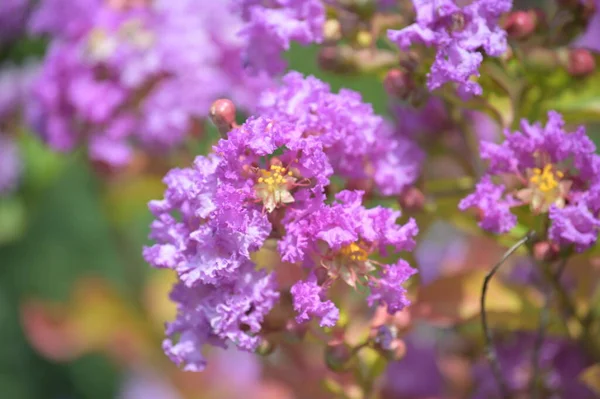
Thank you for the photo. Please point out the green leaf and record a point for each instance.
(578, 100)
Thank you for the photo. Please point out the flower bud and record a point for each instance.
(334, 59)
(581, 62)
(520, 24)
(265, 348)
(222, 114)
(338, 356)
(398, 83)
(545, 251)
(412, 199)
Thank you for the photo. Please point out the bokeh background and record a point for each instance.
(81, 314)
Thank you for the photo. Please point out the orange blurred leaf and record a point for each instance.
(456, 299)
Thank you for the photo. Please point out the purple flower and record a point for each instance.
(341, 238)
(589, 39)
(418, 374)
(560, 363)
(13, 17)
(358, 143)
(457, 34)
(489, 199)
(388, 288)
(15, 84)
(219, 315)
(269, 30)
(308, 303)
(116, 78)
(557, 173)
(10, 164)
(576, 224)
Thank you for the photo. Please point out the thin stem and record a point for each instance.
(539, 339)
(489, 347)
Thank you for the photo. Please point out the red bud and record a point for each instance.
(581, 62)
(520, 24)
(222, 113)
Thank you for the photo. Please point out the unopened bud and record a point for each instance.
(222, 114)
(335, 59)
(412, 199)
(265, 348)
(545, 251)
(398, 83)
(338, 356)
(520, 24)
(581, 62)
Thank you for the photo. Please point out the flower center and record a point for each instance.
(274, 185)
(354, 252)
(546, 187)
(546, 180)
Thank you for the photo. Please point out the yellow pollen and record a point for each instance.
(354, 252)
(274, 185)
(546, 179)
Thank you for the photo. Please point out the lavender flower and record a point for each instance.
(359, 144)
(340, 239)
(216, 315)
(457, 34)
(10, 164)
(144, 75)
(560, 363)
(308, 303)
(271, 28)
(558, 174)
(13, 17)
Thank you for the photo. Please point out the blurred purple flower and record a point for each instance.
(13, 18)
(10, 164)
(271, 28)
(139, 75)
(560, 363)
(418, 374)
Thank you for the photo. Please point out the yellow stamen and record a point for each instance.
(274, 185)
(546, 179)
(354, 252)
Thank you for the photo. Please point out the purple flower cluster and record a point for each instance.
(266, 180)
(560, 363)
(144, 75)
(338, 242)
(557, 173)
(458, 34)
(13, 17)
(358, 143)
(272, 25)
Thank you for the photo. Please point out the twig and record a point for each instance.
(489, 347)
(539, 339)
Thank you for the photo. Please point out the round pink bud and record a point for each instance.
(398, 83)
(520, 24)
(412, 199)
(581, 62)
(545, 251)
(222, 114)
(338, 356)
